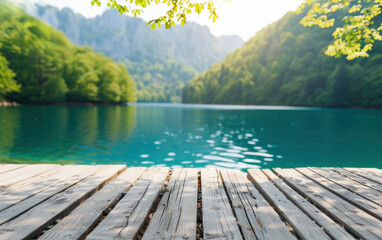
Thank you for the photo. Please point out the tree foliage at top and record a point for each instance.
(360, 29)
(39, 64)
(285, 64)
(177, 10)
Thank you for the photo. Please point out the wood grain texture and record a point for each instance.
(29, 187)
(359, 179)
(9, 167)
(256, 217)
(127, 217)
(366, 174)
(355, 220)
(20, 174)
(81, 220)
(334, 230)
(33, 221)
(175, 217)
(304, 227)
(219, 221)
(355, 187)
(81, 172)
(355, 199)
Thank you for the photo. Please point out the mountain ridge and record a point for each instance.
(126, 39)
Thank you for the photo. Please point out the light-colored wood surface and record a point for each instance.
(126, 219)
(333, 229)
(355, 187)
(355, 199)
(18, 175)
(359, 179)
(354, 219)
(9, 167)
(81, 172)
(219, 221)
(256, 214)
(111, 202)
(40, 216)
(366, 174)
(175, 217)
(29, 187)
(305, 228)
(79, 222)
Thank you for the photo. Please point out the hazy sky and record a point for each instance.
(241, 17)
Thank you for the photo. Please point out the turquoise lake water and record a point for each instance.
(191, 136)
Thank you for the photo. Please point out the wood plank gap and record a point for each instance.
(355, 187)
(256, 217)
(333, 229)
(128, 216)
(365, 174)
(33, 222)
(302, 224)
(175, 217)
(30, 187)
(21, 174)
(10, 167)
(355, 220)
(80, 173)
(82, 219)
(359, 179)
(371, 208)
(219, 221)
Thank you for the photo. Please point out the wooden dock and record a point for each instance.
(102, 202)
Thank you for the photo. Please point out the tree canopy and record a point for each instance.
(39, 64)
(359, 30)
(177, 9)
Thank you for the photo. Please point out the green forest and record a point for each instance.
(160, 61)
(38, 64)
(285, 64)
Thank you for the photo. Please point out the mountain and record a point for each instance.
(39, 64)
(160, 61)
(285, 64)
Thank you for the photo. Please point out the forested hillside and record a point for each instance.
(285, 64)
(160, 61)
(39, 64)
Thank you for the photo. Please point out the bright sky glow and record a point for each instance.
(241, 17)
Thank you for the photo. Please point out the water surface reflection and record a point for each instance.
(192, 136)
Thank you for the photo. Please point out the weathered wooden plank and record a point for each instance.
(304, 227)
(255, 215)
(175, 217)
(9, 167)
(15, 176)
(33, 221)
(357, 178)
(218, 219)
(363, 173)
(334, 230)
(29, 187)
(126, 219)
(81, 172)
(80, 221)
(375, 171)
(355, 187)
(355, 220)
(362, 203)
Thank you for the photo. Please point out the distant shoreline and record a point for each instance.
(8, 103)
(216, 106)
